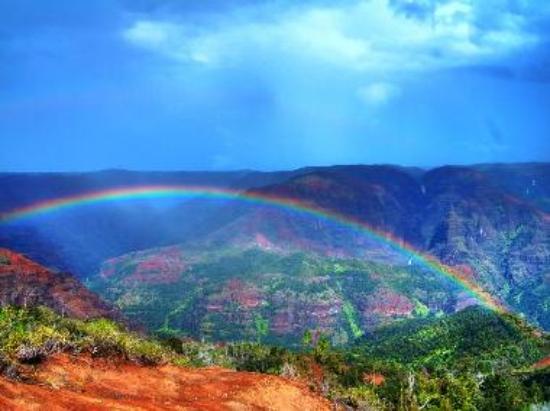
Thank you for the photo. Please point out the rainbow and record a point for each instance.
(156, 192)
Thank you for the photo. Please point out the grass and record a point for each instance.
(351, 317)
(28, 336)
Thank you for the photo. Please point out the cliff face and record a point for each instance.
(26, 283)
(498, 229)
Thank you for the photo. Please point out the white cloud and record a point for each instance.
(377, 94)
(368, 36)
(149, 34)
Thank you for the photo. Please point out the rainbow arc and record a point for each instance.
(457, 276)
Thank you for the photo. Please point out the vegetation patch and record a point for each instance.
(351, 317)
(28, 336)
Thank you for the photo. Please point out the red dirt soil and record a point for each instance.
(545, 362)
(81, 383)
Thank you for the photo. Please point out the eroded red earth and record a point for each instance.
(82, 383)
(26, 283)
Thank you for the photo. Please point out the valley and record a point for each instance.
(370, 287)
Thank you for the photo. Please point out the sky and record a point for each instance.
(270, 85)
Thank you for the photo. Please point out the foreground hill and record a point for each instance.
(475, 359)
(26, 283)
(63, 363)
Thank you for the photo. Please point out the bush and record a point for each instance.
(30, 335)
(359, 398)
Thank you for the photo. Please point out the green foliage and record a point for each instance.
(351, 317)
(430, 370)
(362, 397)
(199, 303)
(307, 339)
(495, 341)
(257, 357)
(30, 335)
(108, 339)
(322, 347)
(262, 327)
(503, 392)
(474, 360)
(420, 309)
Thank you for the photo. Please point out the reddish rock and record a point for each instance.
(282, 323)
(164, 267)
(245, 295)
(26, 283)
(374, 378)
(387, 302)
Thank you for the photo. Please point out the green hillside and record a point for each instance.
(255, 294)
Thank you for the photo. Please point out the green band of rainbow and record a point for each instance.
(156, 192)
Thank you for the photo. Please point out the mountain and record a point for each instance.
(26, 283)
(528, 181)
(464, 216)
(388, 198)
(489, 221)
(472, 220)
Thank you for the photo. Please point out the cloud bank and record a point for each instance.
(369, 36)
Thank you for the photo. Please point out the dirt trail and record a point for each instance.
(66, 383)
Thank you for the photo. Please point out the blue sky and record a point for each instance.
(232, 84)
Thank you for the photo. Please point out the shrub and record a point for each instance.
(31, 335)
